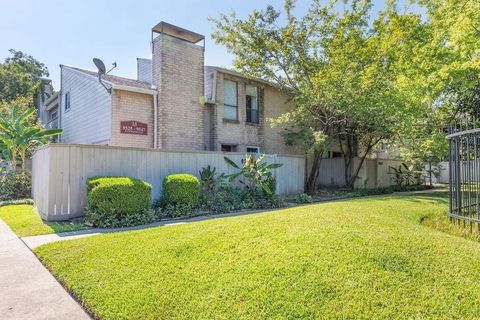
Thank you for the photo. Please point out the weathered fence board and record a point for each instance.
(60, 172)
(374, 173)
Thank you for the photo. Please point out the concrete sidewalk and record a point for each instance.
(27, 289)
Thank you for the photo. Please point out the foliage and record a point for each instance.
(15, 185)
(118, 202)
(405, 175)
(23, 219)
(20, 76)
(177, 210)
(17, 202)
(303, 198)
(181, 189)
(209, 179)
(343, 72)
(18, 136)
(343, 253)
(255, 174)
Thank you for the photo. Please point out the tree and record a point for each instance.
(20, 76)
(343, 73)
(18, 135)
(444, 75)
(289, 56)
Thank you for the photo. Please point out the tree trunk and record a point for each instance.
(350, 184)
(311, 182)
(430, 172)
(305, 174)
(14, 161)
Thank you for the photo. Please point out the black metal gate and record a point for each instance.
(464, 173)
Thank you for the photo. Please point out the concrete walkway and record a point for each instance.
(27, 289)
(36, 241)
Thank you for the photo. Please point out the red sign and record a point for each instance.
(133, 127)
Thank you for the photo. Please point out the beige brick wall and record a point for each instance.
(272, 103)
(178, 72)
(127, 106)
(276, 103)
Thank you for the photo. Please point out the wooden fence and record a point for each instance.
(60, 172)
(374, 173)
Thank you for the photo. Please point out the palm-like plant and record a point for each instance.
(256, 173)
(18, 135)
(404, 174)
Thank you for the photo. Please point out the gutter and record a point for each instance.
(134, 89)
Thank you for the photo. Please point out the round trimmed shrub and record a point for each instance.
(118, 202)
(181, 189)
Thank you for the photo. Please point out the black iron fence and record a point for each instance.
(464, 168)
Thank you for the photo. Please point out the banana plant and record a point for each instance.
(209, 179)
(404, 174)
(255, 174)
(18, 135)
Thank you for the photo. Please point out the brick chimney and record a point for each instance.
(178, 73)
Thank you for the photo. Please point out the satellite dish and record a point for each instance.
(100, 66)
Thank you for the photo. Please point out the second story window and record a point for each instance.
(230, 100)
(54, 115)
(67, 101)
(252, 103)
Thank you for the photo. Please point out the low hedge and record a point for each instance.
(181, 189)
(15, 185)
(17, 202)
(118, 202)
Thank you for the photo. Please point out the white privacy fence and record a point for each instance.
(441, 174)
(60, 172)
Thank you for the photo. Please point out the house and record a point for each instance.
(176, 103)
(47, 102)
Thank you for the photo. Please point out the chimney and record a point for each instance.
(178, 73)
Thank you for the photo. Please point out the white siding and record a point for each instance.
(144, 70)
(88, 120)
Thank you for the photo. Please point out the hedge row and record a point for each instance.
(118, 201)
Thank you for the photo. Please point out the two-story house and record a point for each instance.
(176, 103)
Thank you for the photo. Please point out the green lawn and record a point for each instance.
(24, 221)
(360, 259)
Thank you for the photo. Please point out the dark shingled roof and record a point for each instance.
(121, 81)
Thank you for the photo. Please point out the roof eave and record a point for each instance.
(134, 89)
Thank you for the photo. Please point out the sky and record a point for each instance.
(72, 32)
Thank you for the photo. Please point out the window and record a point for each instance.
(333, 154)
(67, 101)
(253, 150)
(53, 115)
(228, 148)
(252, 104)
(230, 103)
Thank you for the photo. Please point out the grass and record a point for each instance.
(24, 221)
(366, 258)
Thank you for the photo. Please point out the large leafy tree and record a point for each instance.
(344, 73)
(20, 76)
(445, 75)
(290, 55)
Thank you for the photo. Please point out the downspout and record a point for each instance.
(155, 120)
